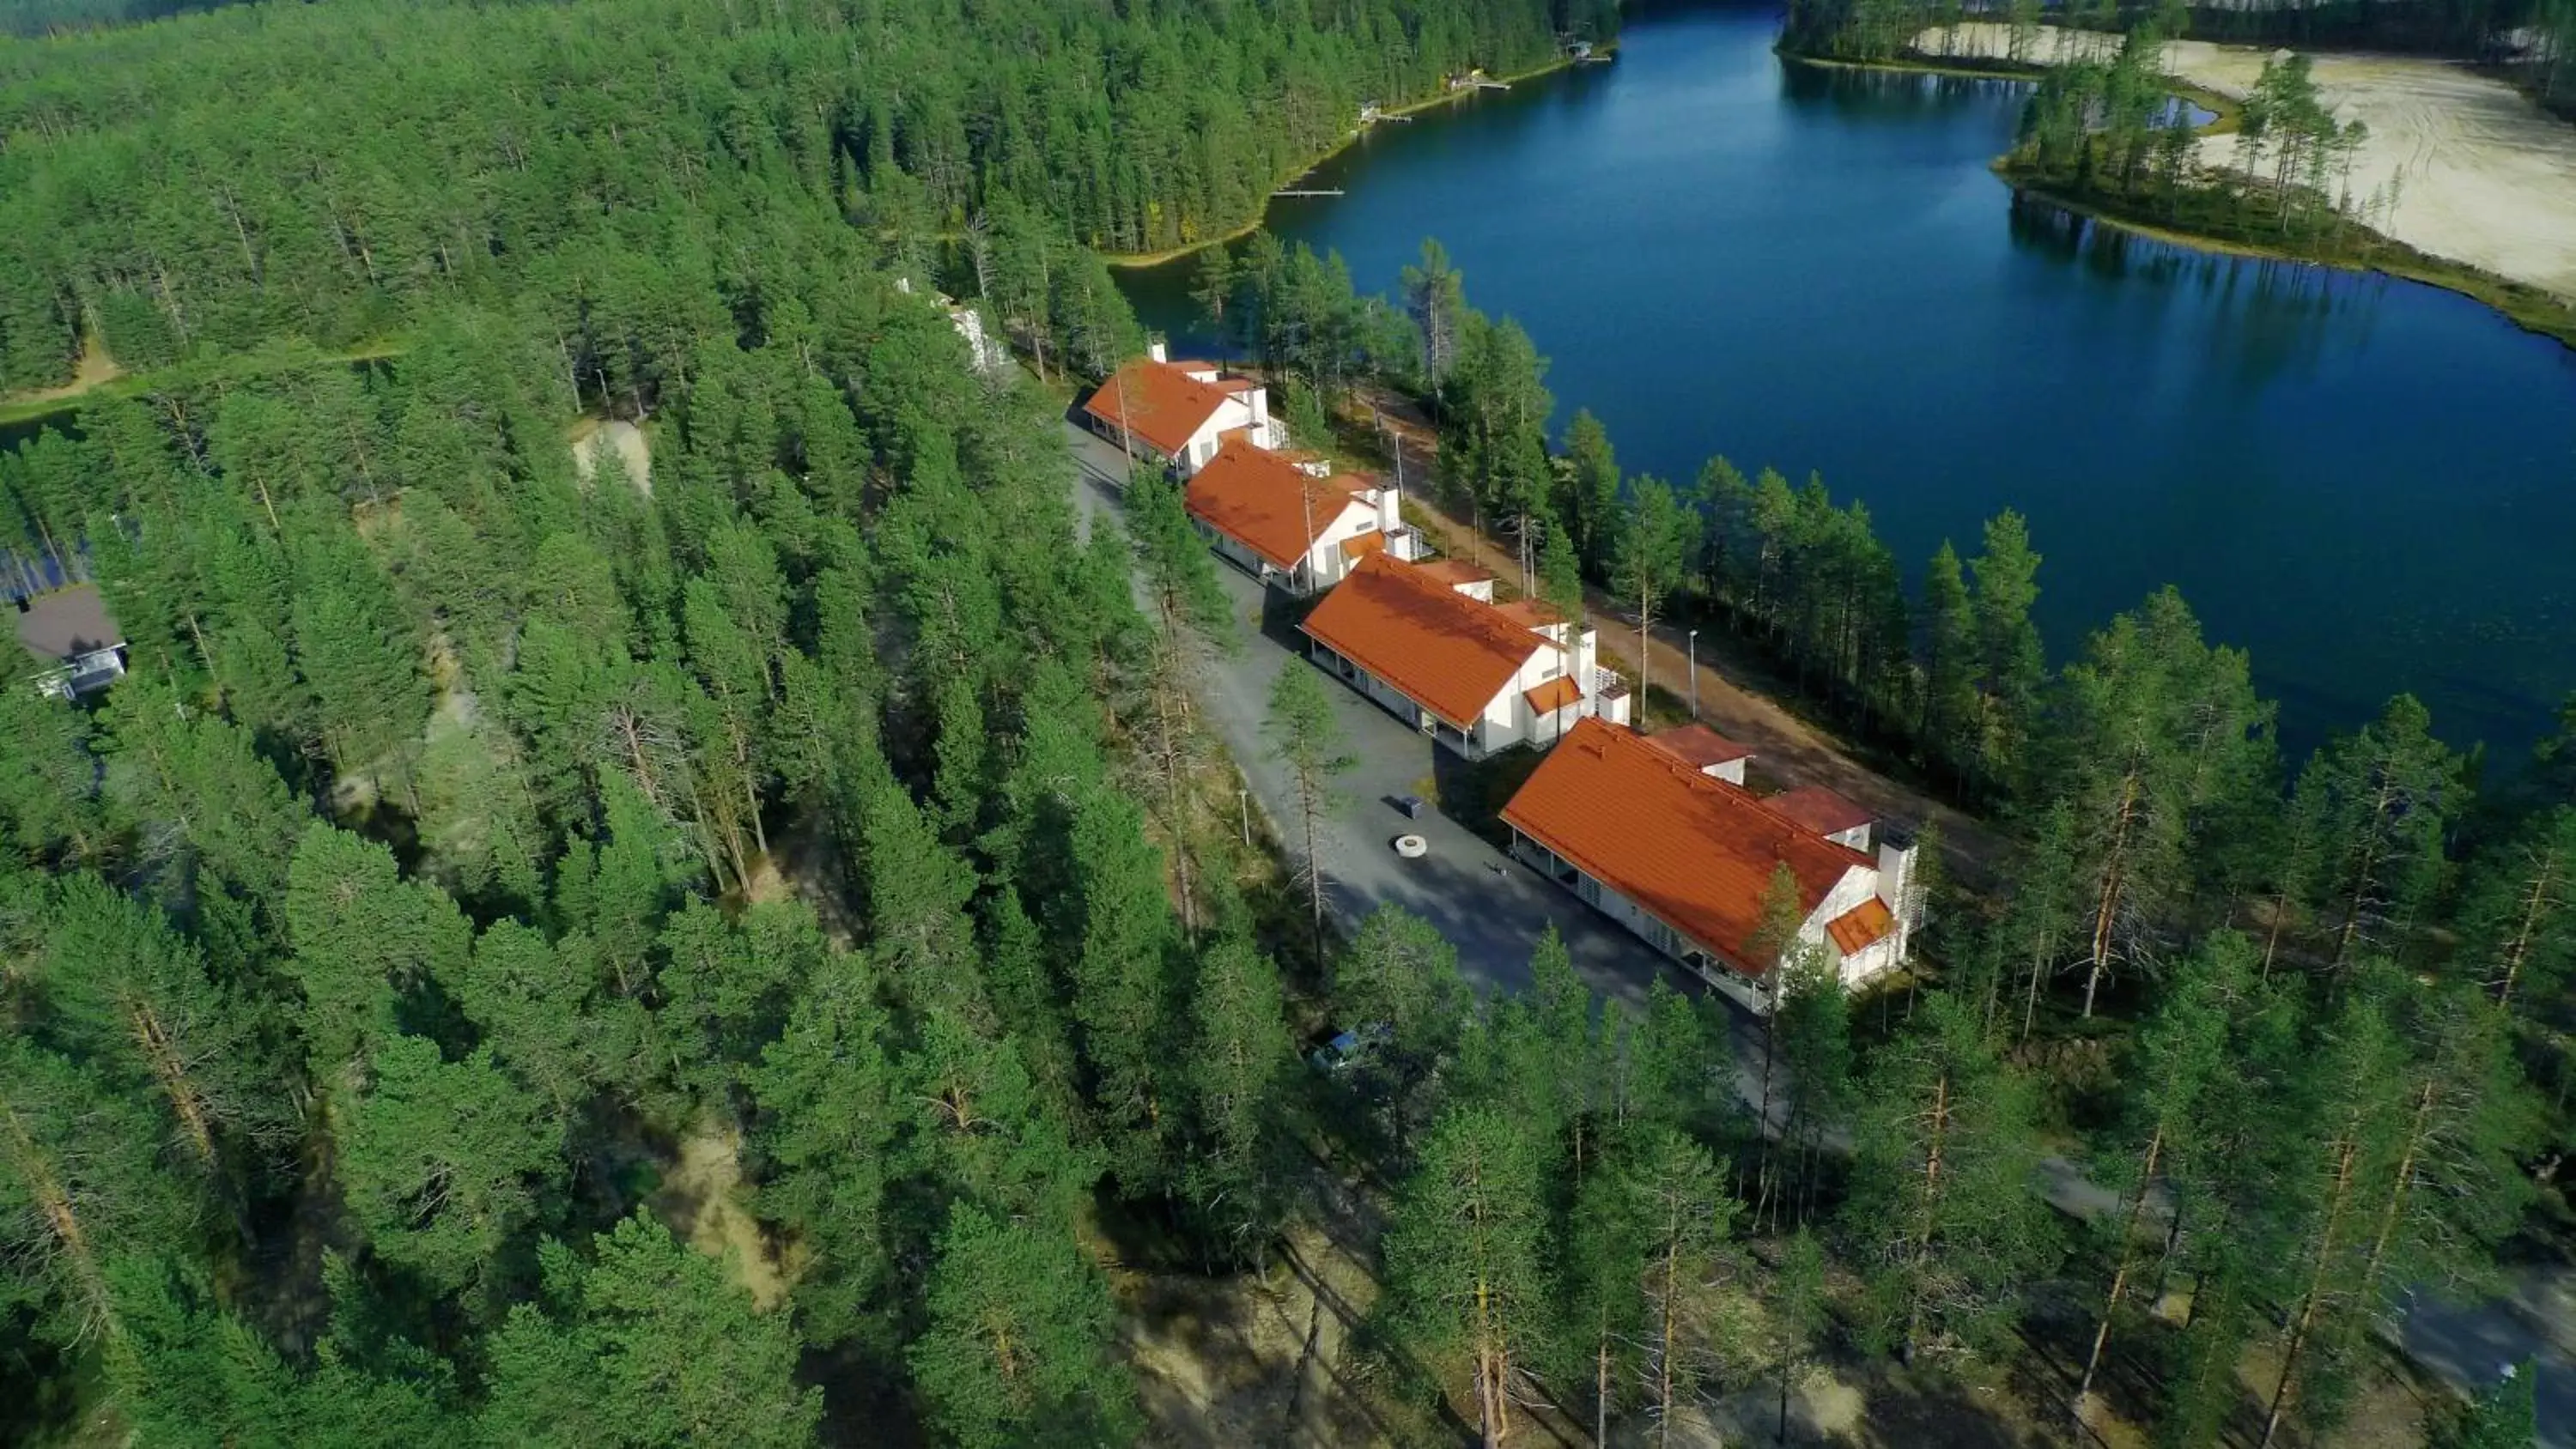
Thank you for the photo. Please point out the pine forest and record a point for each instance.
(657, 876)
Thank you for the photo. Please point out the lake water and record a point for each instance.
(2369, 484)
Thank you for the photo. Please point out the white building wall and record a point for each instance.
(1859, 884)
(1644, 925)
(1326, 563)
(1234, 412)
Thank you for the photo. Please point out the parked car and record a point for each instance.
(1348, 1049)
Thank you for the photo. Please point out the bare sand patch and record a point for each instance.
(592, 436)
(2482, 175)
(700, 1198)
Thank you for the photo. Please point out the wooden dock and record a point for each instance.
(1305, 193)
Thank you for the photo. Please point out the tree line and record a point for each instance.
(2532, 41)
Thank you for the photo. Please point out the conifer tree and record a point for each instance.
(443, 1163)
(645, 1345)
(2377, 802)
(1648, 547)
(2010, 666)
(130, 990)
(829, 1112)
(1947, 647)
(363, 936)
(81, 1182)
(1941, 1211)
(1305, 737)
(2182, 1051)
(1241, 1078)
(1464, 1256)
(1694, 1309)
(1017, 1350)
(1588, 490)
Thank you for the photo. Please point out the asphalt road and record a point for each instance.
(1494, 911)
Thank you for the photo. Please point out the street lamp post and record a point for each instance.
(1694, 674)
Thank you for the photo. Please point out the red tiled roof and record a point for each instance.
(1692, 849)
(1157, 402)
(1529, 613)
(1554, 695)
(1860, 926)
(1820, 810)
(1445, 651)
(1361, 545)
(1264, 502)
(1453, 572)
(1698, 746)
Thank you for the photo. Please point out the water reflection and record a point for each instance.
(2271, 317)
(1889, 94)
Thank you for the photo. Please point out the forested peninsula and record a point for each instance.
(753, 937)
(2279, 164)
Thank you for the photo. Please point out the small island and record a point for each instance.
(2421, 168)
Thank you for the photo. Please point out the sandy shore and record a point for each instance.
(2483, 175)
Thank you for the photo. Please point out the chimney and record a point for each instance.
(1157, 351)
(1896, 882)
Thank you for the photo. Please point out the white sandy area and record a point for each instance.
(2483, 175)
(590, 437)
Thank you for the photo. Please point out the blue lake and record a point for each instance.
(2369, 484)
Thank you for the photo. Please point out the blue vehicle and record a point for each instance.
(1349, 1048)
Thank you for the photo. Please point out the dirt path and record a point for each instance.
(1785, 746)
(96, 369)
(2481, 175)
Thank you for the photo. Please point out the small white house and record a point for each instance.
(1475, 676)
(77, 646)
(1179, 413)
(1293, 523)
(1683, 858)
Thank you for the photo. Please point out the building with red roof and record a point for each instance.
(1290, 523)
(1835, 817)
(1684, 859)
(1704, 750)
(1178, 413)
(1475, 677)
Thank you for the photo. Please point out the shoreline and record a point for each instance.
(1139, 261)
(2526, 305)
(2528, 308)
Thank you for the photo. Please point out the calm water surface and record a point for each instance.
(2369, 484)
